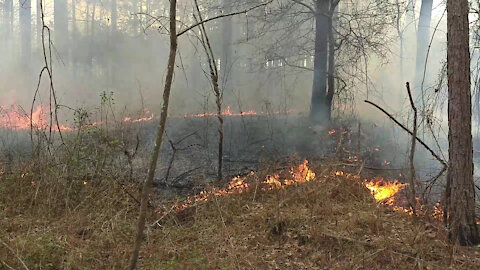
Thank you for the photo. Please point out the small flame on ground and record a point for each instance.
(384, 191)
(16, 118)
(300, 174)
(228, 112)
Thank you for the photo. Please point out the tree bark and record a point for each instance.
(158, 143)
(319, 112)
(460, 193)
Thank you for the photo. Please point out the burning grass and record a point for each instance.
(305, 216)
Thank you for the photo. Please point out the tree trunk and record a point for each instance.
(92, 37)
(112, 40)
(226, 41)
(331, 59)
(319, 112)
(25, 15)
(39, 26)
(61, 27)
(460, 193)
(7, 23)
(73, 39)
(423, 40)
(158, 143)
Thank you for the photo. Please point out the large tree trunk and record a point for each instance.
(319, 111)
(25, 15)
(423, 40)
(161, 129)
(460, 212)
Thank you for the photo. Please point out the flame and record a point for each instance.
(300, 174)
(148, 116)
(17, 119)
(228, 112)
(384, 191)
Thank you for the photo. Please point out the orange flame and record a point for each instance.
(384, 191)
(228, 112)
(300, 174)
(17, 119)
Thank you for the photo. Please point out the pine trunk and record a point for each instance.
(460, 212)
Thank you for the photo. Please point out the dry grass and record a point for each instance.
(330, 224)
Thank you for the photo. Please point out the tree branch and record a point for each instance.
(221, 16)
(409, 132)
(305, 5)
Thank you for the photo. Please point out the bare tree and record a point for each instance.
(460, 192)
(212, 64)
(158, 142)
(297, 31)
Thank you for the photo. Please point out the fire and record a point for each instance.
(17, 119)
(228, 112)
(384, 191)
(300, 174)
(148, 116)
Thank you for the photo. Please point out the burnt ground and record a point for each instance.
(250, 141)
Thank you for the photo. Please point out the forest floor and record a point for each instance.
(79, 208)
(330, 222)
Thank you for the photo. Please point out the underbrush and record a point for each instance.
(52, 223)
(77, 209)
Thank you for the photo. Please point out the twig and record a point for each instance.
(14, 253)
(163, 216)
(201, 22)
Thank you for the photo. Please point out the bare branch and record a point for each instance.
(409, 132)
(221, 16)
(305, 5)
